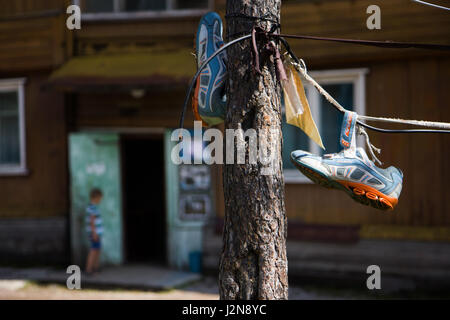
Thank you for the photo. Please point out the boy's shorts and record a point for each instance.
(95, 244)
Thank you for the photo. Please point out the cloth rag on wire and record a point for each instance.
(298, 112)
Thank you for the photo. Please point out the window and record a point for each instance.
(348, 88)
(12, 127)
(116, 9)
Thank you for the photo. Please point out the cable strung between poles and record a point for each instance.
(372, 43)
(301, 67)
(384, 44)
(382, 130)
(431, 4)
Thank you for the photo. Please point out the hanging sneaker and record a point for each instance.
(352, 171)
(209, 102)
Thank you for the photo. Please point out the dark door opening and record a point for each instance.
(143, 199)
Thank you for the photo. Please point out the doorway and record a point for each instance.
(94, 163)
(143, 198)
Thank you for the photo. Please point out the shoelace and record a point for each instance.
(370, 146)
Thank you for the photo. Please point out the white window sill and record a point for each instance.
(119, 16)
(13, 171)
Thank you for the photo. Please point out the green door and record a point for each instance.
(95, 162)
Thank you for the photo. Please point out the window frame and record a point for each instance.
(170, 12)
(18, 85)
(356, 76)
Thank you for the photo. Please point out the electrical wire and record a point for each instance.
(387, 44)
(299, 64)
(401, 130)
(431, 4)
(372, 43)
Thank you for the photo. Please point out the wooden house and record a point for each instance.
(95, 107)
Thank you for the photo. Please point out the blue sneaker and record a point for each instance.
(352, 171)
(209, 102)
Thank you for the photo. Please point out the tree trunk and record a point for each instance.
(253, 263)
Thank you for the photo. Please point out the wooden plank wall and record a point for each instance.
(155, 109)
(401, 20)
(20, 7)
(418, 89)
(34, 40)
(43, 192)
(115, 37)
(33, 35)
(410, 84)
(402, 83)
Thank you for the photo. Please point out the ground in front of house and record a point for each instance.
(204, 289)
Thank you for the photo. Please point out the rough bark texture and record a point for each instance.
(253, 263)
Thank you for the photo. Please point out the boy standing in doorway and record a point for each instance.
(94, 229)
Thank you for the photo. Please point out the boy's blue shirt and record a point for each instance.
(92, 210)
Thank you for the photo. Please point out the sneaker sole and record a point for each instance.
(212, 120)
(359, 192)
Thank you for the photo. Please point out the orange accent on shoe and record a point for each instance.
(370, 192)
(387, 203)
(195, 104)
(358, 192)
(371, 195)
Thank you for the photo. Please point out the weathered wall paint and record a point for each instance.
(183, 236)
(94, 162)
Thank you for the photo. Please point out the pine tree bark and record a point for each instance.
(253, 263)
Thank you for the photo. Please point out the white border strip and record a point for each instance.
(17, 84)
(170, 12)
